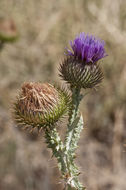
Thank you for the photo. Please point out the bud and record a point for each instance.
(80, 67)
(40, 104)
(8, 31)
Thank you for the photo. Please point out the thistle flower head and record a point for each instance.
(8, 31)
(87, 48)
(80, 67)
(40, 104)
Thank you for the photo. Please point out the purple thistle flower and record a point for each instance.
(87, 48)
(80, 68)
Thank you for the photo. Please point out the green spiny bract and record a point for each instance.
(80, 75)
(40, 105)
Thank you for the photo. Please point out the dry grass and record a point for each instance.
(45, 28)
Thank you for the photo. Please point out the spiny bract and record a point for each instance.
(40, 105)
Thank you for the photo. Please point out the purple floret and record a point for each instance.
(87, 48)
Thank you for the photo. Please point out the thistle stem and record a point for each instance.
(55, 143)
(75, 126)
(76, 98)
(65, 153)
(64, 161)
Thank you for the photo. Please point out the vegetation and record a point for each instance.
(45, 27)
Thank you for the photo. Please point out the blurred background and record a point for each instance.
(45, 29)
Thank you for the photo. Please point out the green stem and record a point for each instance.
(76, 98)
(54, 142)
(75, 126)
(65, 153)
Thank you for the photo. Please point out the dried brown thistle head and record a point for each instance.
(40, 104)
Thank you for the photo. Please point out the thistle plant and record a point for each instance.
(8, 32)
(42, 105)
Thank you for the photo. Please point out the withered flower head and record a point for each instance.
(8, 31)
(80, 67)
(40, 104)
